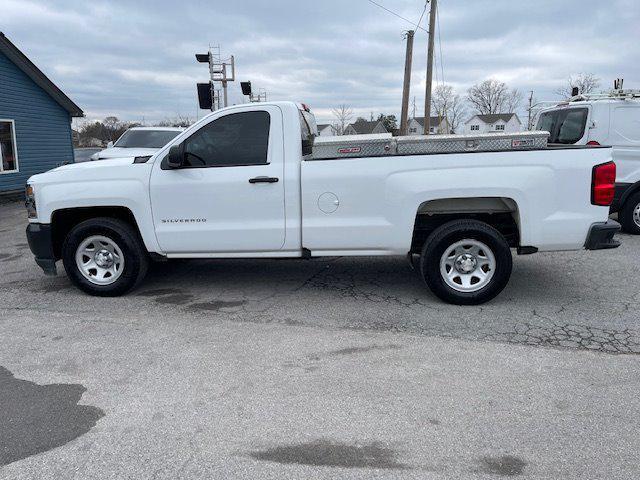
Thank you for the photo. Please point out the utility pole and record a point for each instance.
(432, 36)
(408, 62)
(529, 126)
(225, 79)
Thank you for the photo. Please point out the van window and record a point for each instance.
(572, 126)
(567, 126)
(548, 121)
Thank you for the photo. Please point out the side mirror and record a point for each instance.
(175, 159)
(110, 145)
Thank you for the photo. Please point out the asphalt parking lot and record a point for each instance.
(337, 368)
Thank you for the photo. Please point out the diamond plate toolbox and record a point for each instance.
(354, 146)
(357, 146)
(488, 142)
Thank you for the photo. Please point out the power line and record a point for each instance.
(424, 10)
(398, 15)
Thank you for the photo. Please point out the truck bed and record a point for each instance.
(370, 204)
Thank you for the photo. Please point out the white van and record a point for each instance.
(611, 119)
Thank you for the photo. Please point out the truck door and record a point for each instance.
(229, 197)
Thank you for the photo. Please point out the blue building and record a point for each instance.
(35, 120)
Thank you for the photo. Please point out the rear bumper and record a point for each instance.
(41, 244)
(601, 236)
(621, 189)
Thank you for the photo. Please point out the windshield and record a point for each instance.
(566, 126)
(145, 138)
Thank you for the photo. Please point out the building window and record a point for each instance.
(500, 128)
(475, 128)
(413, 130)
(431, 129)
(8, 150)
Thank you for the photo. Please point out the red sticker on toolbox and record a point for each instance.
(350, 150)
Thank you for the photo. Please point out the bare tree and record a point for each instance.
(513, 101)
(177, 121)
(109, 130)
(113, 127)
(343, 114)
(493, 96)
(448, 105)
(488, 97)
(584, 82)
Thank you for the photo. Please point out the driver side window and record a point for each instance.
(233, 140)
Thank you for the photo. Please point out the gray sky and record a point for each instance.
(137, 60)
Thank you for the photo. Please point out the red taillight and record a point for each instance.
(604, 184)
(593, 143)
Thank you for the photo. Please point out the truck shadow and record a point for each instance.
(368, 280)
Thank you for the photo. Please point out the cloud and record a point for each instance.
(136, 60)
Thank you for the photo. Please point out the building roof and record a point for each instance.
(434, 120)
(493, 118)
(21, 61)
(364, 127)
(322, 126)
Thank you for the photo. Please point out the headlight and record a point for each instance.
(30, 202)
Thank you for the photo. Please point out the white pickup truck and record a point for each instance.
(244, 183)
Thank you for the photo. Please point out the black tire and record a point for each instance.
(626, 215)
(457, 231)
(136, 258)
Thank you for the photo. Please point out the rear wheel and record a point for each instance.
(466, 262)
(629, 215)
(104, 257)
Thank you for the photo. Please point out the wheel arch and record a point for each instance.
(65, 219)
(628, 193)
(502, 213)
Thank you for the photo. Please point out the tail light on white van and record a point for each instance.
(603, 185)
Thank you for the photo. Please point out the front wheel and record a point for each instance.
(104, 257)
(629, 215)
(466, 262)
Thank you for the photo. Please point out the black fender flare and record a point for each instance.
(630, 190)
(627, 189)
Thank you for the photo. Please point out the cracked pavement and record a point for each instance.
(331, 368)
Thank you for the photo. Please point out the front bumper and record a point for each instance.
(40, 241)
(601, 236)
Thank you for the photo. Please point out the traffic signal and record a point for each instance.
(202, 57)
(205, 98)
(246, 88)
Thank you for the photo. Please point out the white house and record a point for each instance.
(495, 123)
(438, 125)
(362, 127)
(326, 130)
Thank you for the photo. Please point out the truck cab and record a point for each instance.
(611, 119)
